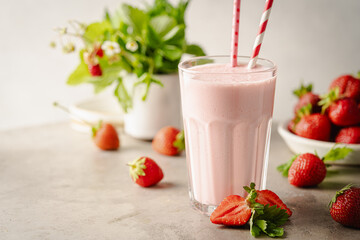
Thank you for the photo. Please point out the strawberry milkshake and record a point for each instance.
(227, 114)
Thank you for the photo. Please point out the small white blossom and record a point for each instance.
(110, 48)
(132, 46)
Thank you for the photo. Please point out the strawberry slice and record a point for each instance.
(265, 197)
(233, 211)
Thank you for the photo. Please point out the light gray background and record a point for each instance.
(314, 40)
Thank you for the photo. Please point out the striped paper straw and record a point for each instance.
(260, 36)
(235, 33)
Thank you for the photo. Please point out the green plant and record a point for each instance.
(131, 40)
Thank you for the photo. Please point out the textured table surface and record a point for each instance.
(54, 184)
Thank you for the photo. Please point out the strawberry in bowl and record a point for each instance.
(337, 121)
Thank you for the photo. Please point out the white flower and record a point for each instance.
(110, 48)
(132, 46)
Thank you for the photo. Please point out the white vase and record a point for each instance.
(161, 108)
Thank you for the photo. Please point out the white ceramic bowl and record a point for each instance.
(299, 144)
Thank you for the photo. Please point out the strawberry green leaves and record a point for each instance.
(180, 141)
(340, 192)
(337, 154)
(329, 98)
(284, 168)
(265, 218)
(268, 220)
(137, 168)
(302, 90)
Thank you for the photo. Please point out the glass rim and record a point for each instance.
(188, 70)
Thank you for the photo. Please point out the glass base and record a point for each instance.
(200, 207)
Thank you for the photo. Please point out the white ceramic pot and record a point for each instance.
(161, 108)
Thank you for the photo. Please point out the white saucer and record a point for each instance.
(92, 110)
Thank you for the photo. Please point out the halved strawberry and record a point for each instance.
(233, 211)
(269, 197)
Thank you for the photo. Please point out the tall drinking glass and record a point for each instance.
(227, 120)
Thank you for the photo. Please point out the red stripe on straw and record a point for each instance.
(263, 27)
(260, 36)
(235, 33)
(256, 51)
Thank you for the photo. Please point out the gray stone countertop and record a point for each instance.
(55, 184)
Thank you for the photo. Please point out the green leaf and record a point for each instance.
(122, 95)
(162, 24)
(96, 128)
(179, 142)
(133, 17)
(95, 31)
(176, 36)
(261, 224)
(194, 50)
(80, 75)
(268, 220)
(358, 74)
(152, 39)
(329, 98)
(284, 168)
(172, 52)
(337, 154)
(302, 90)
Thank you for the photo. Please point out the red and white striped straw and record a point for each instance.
(260, 36)
(235, 33)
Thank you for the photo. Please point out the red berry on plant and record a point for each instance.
(95, 70)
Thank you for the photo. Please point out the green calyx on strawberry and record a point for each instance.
(345, 206)
(302, 90)
(179, 143)
(340, 192)
(263, 218)
(145, 172)
(329, 98)
(308, 169)
(169, 141)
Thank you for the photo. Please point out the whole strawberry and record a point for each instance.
(341, 111)
(169, 141)
(105, 136)
(145, 172)
(344, 112)
(308, 169)
(95, 70)
(348, 85)
(306, 97)
(314, 126)
(345, 206)
(350, 135)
